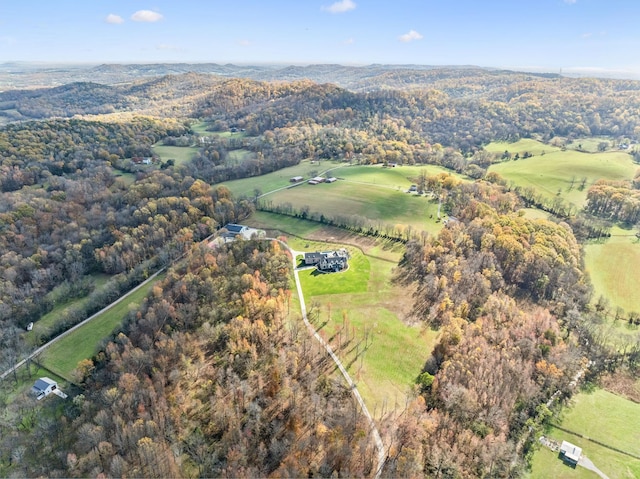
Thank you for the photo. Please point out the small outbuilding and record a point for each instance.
(332, 180)
(296, 179)
(570, 453)
(43, 387)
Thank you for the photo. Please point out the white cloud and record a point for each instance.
(349, 41)
(410, 36)
(146, 16)
(341, 6)
(570, 2)
(244, 43)
(114, 19)
(587, 35)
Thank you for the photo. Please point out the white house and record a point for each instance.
(570, 453)
(43, 387)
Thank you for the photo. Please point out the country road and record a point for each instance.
(352, 385)
(79, 325)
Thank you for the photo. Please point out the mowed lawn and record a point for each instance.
(553, 172)
(365, 302)
(608, 418)
(63, 356)
(613, 267)
(181, 154)
(374, 202)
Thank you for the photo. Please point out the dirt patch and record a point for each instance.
(624, 384)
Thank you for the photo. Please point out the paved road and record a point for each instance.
(343, 370)
(79, 325)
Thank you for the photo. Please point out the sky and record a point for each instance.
(530, 34)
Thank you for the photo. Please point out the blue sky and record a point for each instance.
(550, 34)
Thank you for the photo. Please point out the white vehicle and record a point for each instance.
(29, 326)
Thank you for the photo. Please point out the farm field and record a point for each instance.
(63, 356)
(607, 418)
(374, 202)
(277, 179)
(365, 303)
(613, 266)
(553, 172)
(181, 154)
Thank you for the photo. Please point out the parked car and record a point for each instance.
(29, 326)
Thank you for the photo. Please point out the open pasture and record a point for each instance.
(613, 266)
(275, 180)
(181, 154)
(552, 174)
(521, 146)
(374, 202)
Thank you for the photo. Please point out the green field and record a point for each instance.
(607, 418)
(546, 465)
(553, 172)
(613, 266)
(200, 128)
(277, 179)
(181, 154)
(588, 144)
(377, 203)
(63, 356)
(365, 303)
(534, 147)
(44, 326)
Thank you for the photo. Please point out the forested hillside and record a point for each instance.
(209, 379)
(459, 108)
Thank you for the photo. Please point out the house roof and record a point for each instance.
(313, 255)
(571, 451)
(43, 383)
(233, 228)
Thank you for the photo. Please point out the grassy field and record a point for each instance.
(44, 326)
(277, 179)
(200, 127)
(607, 418)
(63, 356)
(553, 172)
(181, 154)
(375, 202)
(613, 266)
(534, 147)
(588, 144)
(127, 178)
(546, 465)
(364, 302)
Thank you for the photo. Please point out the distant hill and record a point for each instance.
(356, 78)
